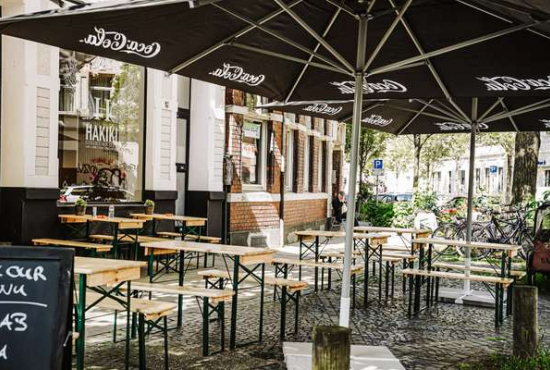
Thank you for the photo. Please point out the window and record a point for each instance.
(306, 163)
(547, 178)
(322, 174)
(289, 165)
(462, 177)
(450, 182)
(500, 179)
(251, 156)
(101, 130)
(478, 178)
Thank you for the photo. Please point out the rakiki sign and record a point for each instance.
(101, 135)
(117, 41)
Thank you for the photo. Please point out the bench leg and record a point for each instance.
(141, 343)
(205, 328)
(380, 264)
(322, 277)
(165, 332)
(283, 313)
(387, 279)
(329, 275)
(114, 326)
(221, 317)
(262, 296)
(354, 286)
(134, 317)
(181, 277)
(405, 265)
(437, 287)
(410, 295)
(297, 311)
(392, 280)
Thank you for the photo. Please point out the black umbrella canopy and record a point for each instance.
(431, 116)
(306, 49)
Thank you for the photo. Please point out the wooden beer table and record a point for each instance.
(121, 227)
(248, 259)
(96, 274)
(369, 244)
(400, 231)
(189, 225)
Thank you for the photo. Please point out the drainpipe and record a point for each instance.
(282, 186)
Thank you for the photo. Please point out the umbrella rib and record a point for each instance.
(221, 43)
(450, 110)
(406, 126)
(421, 112)
(476, 7)
(388, 33)
(346, 10)
(491, 108)
(314, 34)
(370, 107)
(528, 108)
(512, 120)
(287, 57)
(280, 37)
(459, 45)
(444, 111)
(431, 68)
(301, 75)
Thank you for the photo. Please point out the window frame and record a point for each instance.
(289, 159)
(262, 183)
(307, 165)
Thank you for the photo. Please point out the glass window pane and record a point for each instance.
(251, 153)
(100, 144)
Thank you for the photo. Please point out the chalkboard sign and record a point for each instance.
(35, 307)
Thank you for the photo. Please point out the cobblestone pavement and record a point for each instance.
(441, 338)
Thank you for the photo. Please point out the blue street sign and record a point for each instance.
(378, 164)
(493, 169)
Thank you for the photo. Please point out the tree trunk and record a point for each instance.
(416, 169)
(429, 176)
(524, 184)
(526, 328)
(508, 180)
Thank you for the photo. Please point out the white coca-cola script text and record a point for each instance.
(237, 74)
(118, 41)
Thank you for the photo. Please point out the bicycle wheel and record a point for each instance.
(527, 242)
(445, 231)
(480, 233)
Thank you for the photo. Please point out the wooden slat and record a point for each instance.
(187, 220)
(103, 271)
(397, 230)
(127, 238)
(214, 295)
(458, 276)
(312, 263)
(231, 250)
(72, 243)
(294, 284)
(462, 243)
(151, 309)
(173, 235)
(483, 269)
(339, 234)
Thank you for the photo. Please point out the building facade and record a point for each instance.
(78, 126)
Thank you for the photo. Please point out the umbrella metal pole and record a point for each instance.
(471, 185)
(352, 179)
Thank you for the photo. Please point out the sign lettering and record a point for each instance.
(323, 109)
(377, 120)
(117, 41)
(384, 86)
(507, 83)
(237, 74)
(452, 126)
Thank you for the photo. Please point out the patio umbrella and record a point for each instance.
(433, 116)
(318, 50)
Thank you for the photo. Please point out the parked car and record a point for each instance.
(95, 193)
(392, 198)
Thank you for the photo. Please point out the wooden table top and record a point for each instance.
(67, 218)
(463, 243)
(398, 230)
(341, 234)
(187, 246)
(169, 217)
(90, 265)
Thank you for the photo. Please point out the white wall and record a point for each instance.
(30, 101)
(207, 137)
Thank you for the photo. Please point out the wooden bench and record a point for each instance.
(481, 269)
(500, 283)
(201, 238)
(213, 302)
(126, 238)
(290, 291)
(95, 248)
(147, 310)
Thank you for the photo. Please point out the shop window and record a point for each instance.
(289, 165)
(253, 143)
(322, 172)
(101, 130)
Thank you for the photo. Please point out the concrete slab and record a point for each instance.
(298, 357)
(477, 298)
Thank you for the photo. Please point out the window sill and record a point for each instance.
(253, 188)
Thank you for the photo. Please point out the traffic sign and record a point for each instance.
(378, 164)
(493, 170)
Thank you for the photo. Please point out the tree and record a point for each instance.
(507, 141)
(398, 154)
(418, 141)
(459, 145)
(526, 157)
(437, 149)
(371, 145)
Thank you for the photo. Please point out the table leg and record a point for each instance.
(141, 342)
(115, 241)
(418, 281)
(262, 293)
(316, 275)
(80, 322)
(181, 277)
(233, 329)
(300, 255)
(366, 275)
(128, 328)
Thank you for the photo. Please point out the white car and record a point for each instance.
(95, 193)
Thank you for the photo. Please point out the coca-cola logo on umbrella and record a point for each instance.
(377, 120)
(118, 41)
(507, 83)
(452, 126)
(546, 122)
(323, 109)
(384, 86)
(237, 74)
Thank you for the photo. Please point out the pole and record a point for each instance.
(352, 180)
(471, 185)
(282, 184)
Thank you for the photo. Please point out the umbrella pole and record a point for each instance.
(352, 179)
(471, 185)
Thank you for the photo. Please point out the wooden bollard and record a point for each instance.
(526, 333)
(331, 348)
